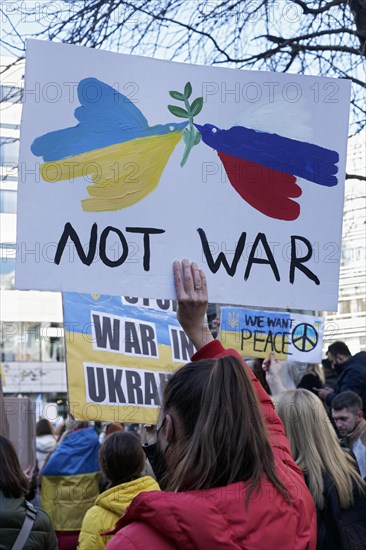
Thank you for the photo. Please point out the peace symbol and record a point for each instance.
(304, 337)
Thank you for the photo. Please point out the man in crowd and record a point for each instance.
(351, 425)
(352, 375)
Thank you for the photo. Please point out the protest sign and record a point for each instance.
(21, 417)
(120, 353)
(256, 333)
(127, 163)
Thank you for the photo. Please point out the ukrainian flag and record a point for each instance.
(70, 479)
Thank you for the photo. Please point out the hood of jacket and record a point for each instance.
(117, 499)
(45, 443)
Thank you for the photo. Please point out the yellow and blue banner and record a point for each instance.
(120, 353)
(257, 333)
(70, 479)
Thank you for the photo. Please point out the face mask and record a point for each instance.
(161, 465)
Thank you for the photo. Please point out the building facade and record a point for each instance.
(32, 356)
(349, 322)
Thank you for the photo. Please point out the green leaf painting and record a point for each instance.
(178, 111)
(188, 90)
(177, 95)
(191, 136)
(196, 106)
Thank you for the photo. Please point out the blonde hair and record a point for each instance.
(315, 447)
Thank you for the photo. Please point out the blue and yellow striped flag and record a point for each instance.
(70, 479)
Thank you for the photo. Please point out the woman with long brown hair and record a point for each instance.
(14, 510)
(231, 480)
(122, 461)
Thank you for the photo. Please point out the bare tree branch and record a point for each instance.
(327, 37)
(355, 177)
(317, 11)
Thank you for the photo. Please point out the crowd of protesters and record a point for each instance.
(266, 457)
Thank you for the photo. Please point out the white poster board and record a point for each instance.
(105, 205)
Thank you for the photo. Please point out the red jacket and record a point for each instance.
(217, 518)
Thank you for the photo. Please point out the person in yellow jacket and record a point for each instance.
(122, 460)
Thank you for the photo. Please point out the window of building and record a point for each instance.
(8, 178)
(20, 342)
(8, 335)
(52, 344)
(8, 201)
(354, 305)
(31, 349)
(31, 342)
(9, 126)
(345, 306)
(7, 273)
(353, 255)
(9, 150)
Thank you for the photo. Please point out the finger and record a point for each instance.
(272, 358)
(187, 277)
(178, 281)
(197, 282)
(204, 285)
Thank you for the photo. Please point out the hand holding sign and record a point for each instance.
(191, 288)
(272, 368)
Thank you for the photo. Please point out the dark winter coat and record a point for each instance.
(352, 377)
(12, 515)
(340, 529)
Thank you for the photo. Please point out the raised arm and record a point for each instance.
(272, 368)
(191, 288)
(192, 297)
